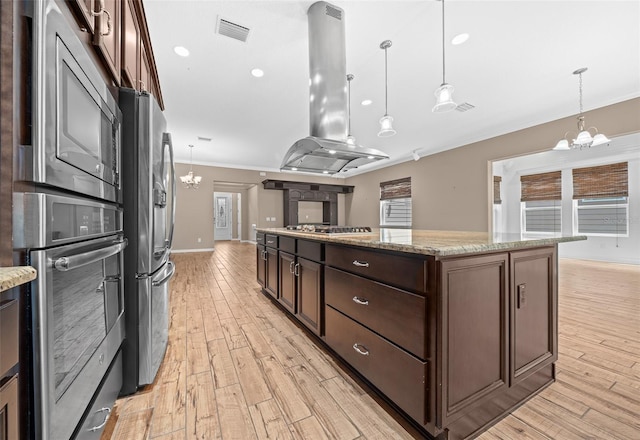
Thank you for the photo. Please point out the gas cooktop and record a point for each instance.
(330, 229)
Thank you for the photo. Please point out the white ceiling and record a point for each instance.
(516, 68)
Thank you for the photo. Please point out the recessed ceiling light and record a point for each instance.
(294, 169)
(367, 102)
(332, 151)
(258, 73)
(182, 51)
(325, 172)
(459, 39)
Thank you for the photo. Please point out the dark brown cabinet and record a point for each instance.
(533, 325)
(288, 281)
(130, 46)
(106, 36)
(455, 342)
(271, 271)
(85, 9)
(9, 409)
(309, 294)
(474, 311)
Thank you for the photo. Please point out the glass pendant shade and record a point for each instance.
(584, 138)
(386, 126)
(444, 99)
(599, 139)
(562, 144)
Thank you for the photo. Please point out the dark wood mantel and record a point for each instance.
(294, 192)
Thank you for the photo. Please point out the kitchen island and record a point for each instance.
(454, 329)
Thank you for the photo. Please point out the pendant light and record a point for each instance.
(190, 181)
(444, 93)
(351, 140)
(386, 122)
(584, 138)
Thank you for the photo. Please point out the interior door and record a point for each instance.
(222, 216)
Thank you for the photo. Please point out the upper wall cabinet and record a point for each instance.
(120, 36)
(86, 9)
(106, 35)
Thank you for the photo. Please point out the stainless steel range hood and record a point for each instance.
(326, 150)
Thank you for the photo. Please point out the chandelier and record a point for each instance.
(584, 139)
(190, 181)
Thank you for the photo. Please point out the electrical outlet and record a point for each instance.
(199, 240)
(273, 219)
(268, 218)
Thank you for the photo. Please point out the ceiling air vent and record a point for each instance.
(204, 139)
(233, 30)
(333, 12)
(465, 106)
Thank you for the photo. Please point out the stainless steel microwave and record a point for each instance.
(76, 120)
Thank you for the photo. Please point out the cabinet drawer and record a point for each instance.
(96, 418)
(393, 371)
(395, 269)
(287, 244)
(311, 250)
(271, 240)
(393, 313)
(8, 335)
(260, 238)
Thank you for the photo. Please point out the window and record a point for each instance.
(497, 204)
(601, 200)
(602, 216)
(395, 203)
(541, 208)
(543, 216)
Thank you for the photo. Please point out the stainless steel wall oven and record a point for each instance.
(77, 306)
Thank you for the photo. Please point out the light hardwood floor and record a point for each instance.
(237, 368)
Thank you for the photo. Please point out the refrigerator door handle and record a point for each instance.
(165, 279)
(167, 140)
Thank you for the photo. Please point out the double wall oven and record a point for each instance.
(68, 224)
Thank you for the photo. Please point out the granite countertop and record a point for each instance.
(15, 276)
(436, 243)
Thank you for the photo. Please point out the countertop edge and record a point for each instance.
(461, 248)
(15, 276)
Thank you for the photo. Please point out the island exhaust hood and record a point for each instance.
(326, 150)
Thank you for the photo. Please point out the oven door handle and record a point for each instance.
(172, 271)
(64, 264)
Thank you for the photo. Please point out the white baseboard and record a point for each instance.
(184, 251)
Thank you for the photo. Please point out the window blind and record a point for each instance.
(395, 189)
(601, 181)
(544, 186)
(496, 189)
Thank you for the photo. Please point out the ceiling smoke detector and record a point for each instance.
(232, 30)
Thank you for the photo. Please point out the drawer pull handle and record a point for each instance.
(360, 263)
(291, 267)
(361, 301)
(106, 417)
(296, 269)
(357, 348)
(270, 241)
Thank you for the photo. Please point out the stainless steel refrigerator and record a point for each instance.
(148, 188)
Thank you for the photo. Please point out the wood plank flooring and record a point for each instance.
(237, 368)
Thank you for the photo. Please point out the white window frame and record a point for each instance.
(523, 219)
(383, 215)
(576, 207)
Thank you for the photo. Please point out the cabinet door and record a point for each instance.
(130, 45)
(474, 310)
(107, 35)
(271, 282)
(144, 83)
(9, 409)
(287, 281)
(533, 312)
(310, 294)
(85, 9)
(260, 265)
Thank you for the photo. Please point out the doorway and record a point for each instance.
(222, 216)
